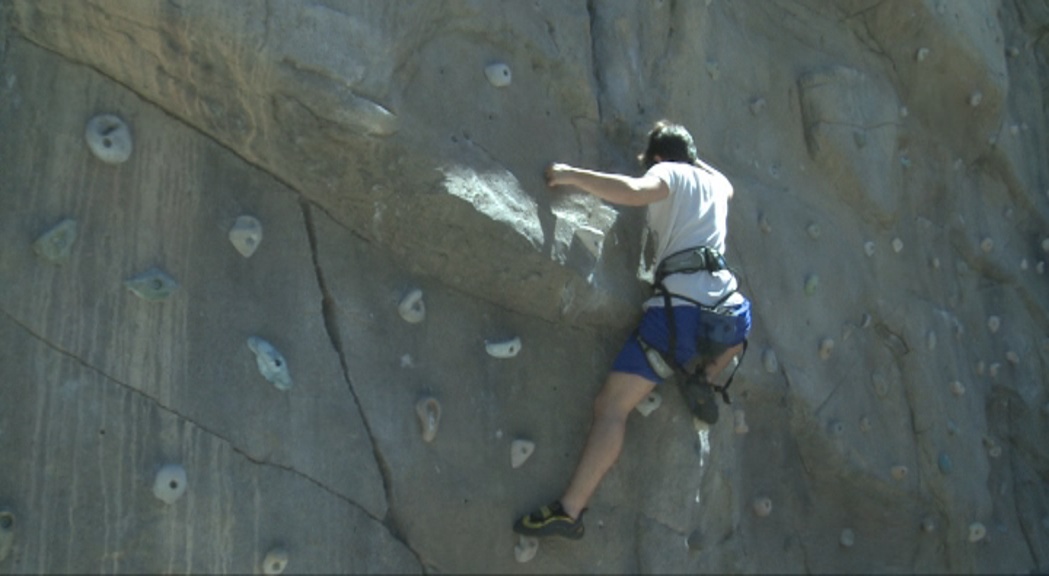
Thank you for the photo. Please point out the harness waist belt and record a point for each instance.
(691, 260)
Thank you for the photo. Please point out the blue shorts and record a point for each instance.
(717, 332)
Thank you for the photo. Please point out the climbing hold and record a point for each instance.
(1024, 264)
(897, 245)
(1040, 267)
(935, 263)
(975, 98)
(170, 483)
(498, 74)
(763, 506)
(928, 524)
(1045, 245)
(811, 283)
(981, 367)
(7, 532)
(865, 424)
(826, 347)
(520, 451)
(994, 451)
(899, 472)
(56, 244)
(428, 410)
(1012, 357)
(904, 112)
(713, 69)
(953, 428)
(866, 320)
(994, 323)
(763, 223)
(412, 308)
(275, 562)
(740, 422)
(109, 138)
(504, 349)
(650, 403)
(957, 388)
(930, 340)
(271, 363)
(944, 462)
(992, 370)
(922, 54)
(881, 385)
(526, 548)
(813, 230)
(246, 235)
(986, 245)
(694, 542)
(868, 248)
(847, 539)
(1013, 51)
(769, 360)
(977, 531)
(153, 285)
(835, 427)
(757, 105)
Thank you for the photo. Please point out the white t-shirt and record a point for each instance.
(695, 213)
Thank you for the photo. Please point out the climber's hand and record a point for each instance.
(557, 174)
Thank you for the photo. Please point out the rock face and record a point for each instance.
(892, 196)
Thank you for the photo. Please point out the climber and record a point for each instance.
(696, 310)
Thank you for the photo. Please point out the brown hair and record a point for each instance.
(671, 142)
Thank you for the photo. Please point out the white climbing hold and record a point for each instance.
(7, 532)
(1040, 267)
(848, 538)
(109, 138)
(930, 340)
(981, 367)
(992, 370)
(866, 320)
(811, 283)
(1045, 245)
(1013, 51)
(246, 235)
(899, 472)
(428, 409)
(975, 98)
(649, 405)
(977, 532)
(868, 248)
(881, 385)
(935, 262)
(56, 244)
(498, 74)
(275, 562)
(713, 69)
(763, 223)
(769, 360)
(865, 424)
(520, 451)
(987, 245)
(1012, 357)
(957, 388)
(740, 422)
(170, 483)
(994, 323)
(897, 245)
(762, 506)
(826, 347)
(153, 285)
(412, 308)
(814, 230)
(757, 105)
(526, 548)
(503, 349)
(922, 54)
(271, 363)
(928, 524)
(1023, 264)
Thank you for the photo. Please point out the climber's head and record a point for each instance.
(670, 143)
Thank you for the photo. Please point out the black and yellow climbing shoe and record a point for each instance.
(551, 520)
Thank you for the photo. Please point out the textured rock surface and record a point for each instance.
(368, 141)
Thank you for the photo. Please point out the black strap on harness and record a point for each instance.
(685, 262)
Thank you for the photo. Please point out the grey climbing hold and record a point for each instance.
(835, 428)
(7, 532)
(811, 283)
(275, 562)
(944, 462)
(865, 424)
(109, 138)
(899, 472)
(928, 524)
(520, 451)
(740, 422)
(412, 308)
(930, 340)
(762, 506)
(769, 360)
(814, 230)
(526, 548)
(649, 405)
(993, 324)
(498, 74)
(868, 248)
(170, 483)
(848, 538)
(826, 347)
(428, 409)
(881, 385)
(977, 532)
(957, 388)
(921, 54)
(987, 245)
(246, 235)
(897, 245)
(504, 349)
(271, 363)
(153, 285)
(975, 98)
(56, 244)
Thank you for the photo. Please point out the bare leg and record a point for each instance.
(620, 394)
(719, 363)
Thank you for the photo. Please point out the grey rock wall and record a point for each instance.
(890, 225)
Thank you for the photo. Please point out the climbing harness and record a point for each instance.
(692, 377)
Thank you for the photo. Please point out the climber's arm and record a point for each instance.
(615, 188)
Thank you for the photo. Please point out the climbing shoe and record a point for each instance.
(551, 520)
(700, 398)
